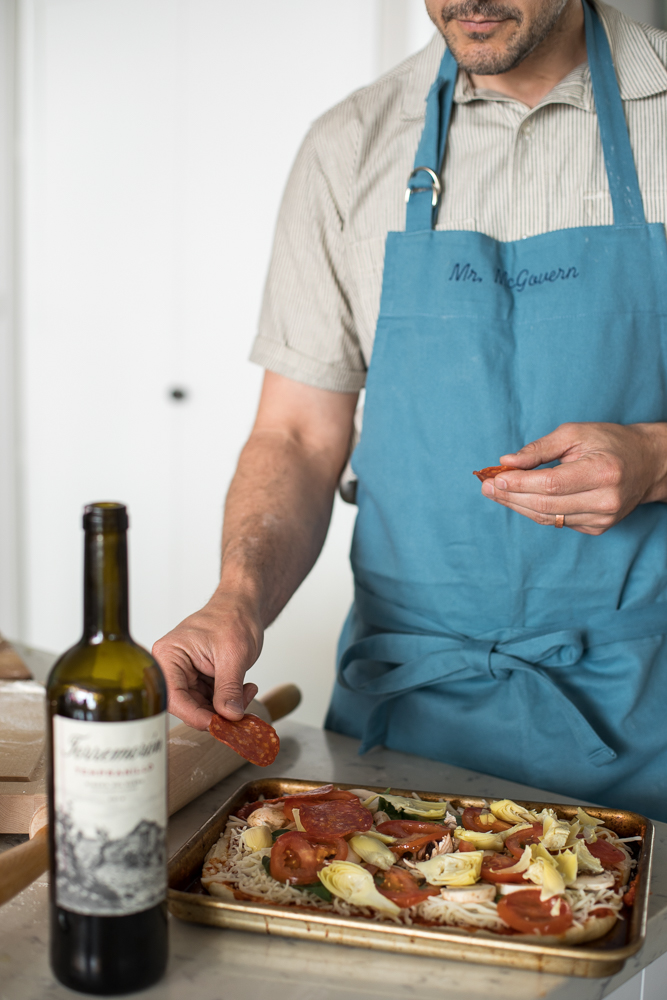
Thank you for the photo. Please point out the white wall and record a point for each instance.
(158, 135)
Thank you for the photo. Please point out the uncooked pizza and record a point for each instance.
(496, 869)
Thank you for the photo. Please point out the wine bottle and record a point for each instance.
(107, 785)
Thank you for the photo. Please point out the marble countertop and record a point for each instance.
(208, 963)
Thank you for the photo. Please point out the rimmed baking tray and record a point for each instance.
(604, 957)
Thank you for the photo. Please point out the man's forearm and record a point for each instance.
(276, 518)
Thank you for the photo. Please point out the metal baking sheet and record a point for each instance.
(605, 957)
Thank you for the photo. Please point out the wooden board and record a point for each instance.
(12, 666)
(22, 723)
(20, 800)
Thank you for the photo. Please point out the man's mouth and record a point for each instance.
(480, 26)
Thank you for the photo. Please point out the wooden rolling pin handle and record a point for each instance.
(281, 700)
(23, 864)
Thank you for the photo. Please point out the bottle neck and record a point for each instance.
(105, 588)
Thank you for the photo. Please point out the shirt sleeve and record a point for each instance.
(306, 327)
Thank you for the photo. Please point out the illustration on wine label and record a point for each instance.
(111, 814)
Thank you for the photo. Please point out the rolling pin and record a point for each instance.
(197, 761)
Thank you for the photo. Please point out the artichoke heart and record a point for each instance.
(384, 837)
(556, 831)
(567, 866)
(543, 871)
(257, 838)
(372, 850)
(510, 812)
(483, 841)
(416, 807)
(585, 860)
(588, 825)
(355, 885)
(452, 869)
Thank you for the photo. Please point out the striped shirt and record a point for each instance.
(509, 171)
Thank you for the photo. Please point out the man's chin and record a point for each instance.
(479, 56)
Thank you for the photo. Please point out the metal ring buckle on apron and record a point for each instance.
(435, 187)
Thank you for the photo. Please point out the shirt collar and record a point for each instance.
(640, 70)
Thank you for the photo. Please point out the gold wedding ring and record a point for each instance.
(560, 521)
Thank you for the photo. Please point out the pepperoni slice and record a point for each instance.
(330, 795)
(251, 737)
(491, 471)
(334, 819)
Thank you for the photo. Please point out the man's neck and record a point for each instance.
(552, 60)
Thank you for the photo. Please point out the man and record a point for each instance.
(523, 290)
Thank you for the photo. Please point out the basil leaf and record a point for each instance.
(317, 889)
(266, 863)
(391, 811)
(278, 833)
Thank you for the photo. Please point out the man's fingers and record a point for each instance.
(544, 449)
(228, 699)
(581, 476)
(588, 523)
(249, 692)
(184, 706)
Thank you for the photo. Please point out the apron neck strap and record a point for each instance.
(626, 197)
(424, 189)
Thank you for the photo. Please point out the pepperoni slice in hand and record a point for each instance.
(250, 737)
(297, 859)
(471, 821)
(334, 819)
(525, 912)
(608, 855)
(494, 870)
(516, 843)
(491, 471)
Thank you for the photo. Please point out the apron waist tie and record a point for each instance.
(422, 660)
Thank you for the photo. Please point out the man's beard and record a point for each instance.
(520, 45)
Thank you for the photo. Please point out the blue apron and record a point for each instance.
(476, 636)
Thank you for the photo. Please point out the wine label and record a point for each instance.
(110, 791)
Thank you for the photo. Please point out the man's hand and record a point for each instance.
(276, 518)
(606, 470)
(205, 658)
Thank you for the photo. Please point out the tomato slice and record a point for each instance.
(471, 821)
(525, 912)
(296, 859)
(465, 845)
(411, 845)
(493, 870)
(307, 798)
(608, 855)
(398, 885)
(517, 842)
(410, 828)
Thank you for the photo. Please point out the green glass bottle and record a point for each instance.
(107, 785)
